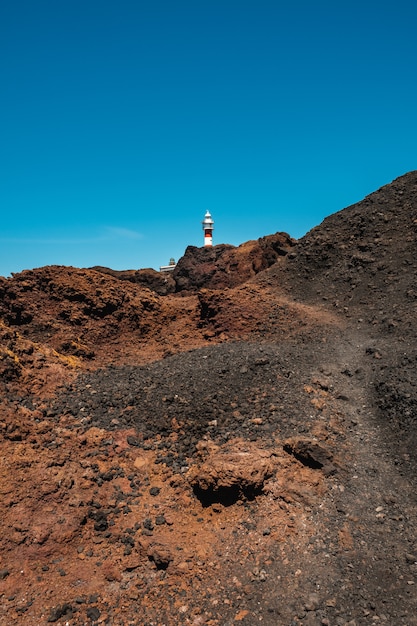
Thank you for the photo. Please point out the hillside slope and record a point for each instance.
(361, 262)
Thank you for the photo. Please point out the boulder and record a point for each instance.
(226, 476)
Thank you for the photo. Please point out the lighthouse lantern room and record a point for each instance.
(208, 229)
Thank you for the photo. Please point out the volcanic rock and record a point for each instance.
(311, 454)
(160, 555)
(226, 476)
(223, 266)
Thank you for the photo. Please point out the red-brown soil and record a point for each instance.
(232, 443)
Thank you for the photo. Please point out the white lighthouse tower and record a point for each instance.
(208, 229)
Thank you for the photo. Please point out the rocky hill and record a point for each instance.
(214, 267)
(232, 443)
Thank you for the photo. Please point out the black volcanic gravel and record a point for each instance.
(214, 391)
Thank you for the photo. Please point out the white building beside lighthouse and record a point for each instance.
(208, 229)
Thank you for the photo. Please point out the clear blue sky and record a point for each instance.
(123, 122)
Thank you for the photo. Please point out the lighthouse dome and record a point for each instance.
(208, 221)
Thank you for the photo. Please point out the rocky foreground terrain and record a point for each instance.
(232, 443)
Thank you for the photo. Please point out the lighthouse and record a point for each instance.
(208, 229)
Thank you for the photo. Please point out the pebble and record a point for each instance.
(93, 613)
(312, 602)
(63, 610)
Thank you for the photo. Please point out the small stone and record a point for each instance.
(154, 491)
(183, 566)
(411, 558)
(148, 524)
(312, 603)
(101, 523)
(4, 573)
(160, 555)
(63, 610)
(93, 613)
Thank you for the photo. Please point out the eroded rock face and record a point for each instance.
(229, 475)
(72, 311)
(223, 266)
(69, 295)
